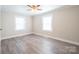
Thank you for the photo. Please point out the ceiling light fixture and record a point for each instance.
(34, 7)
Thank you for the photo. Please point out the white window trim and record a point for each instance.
(51, 22)
(17, 22)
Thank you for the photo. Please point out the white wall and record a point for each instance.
(8, 24)
(65, 24)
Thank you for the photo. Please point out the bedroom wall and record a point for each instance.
(65, 24)
(8, 24)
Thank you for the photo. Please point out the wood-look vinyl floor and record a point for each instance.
(34, 44)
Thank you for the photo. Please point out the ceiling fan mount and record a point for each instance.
(34, 7)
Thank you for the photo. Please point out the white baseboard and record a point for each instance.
(15, 36)
(57, 38)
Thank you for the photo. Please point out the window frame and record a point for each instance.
(18, 22)
(50, 15)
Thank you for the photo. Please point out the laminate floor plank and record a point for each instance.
(34, 44)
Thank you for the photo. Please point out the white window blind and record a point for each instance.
(20, 23)
(47, 23)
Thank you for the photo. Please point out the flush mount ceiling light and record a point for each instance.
(34, 7)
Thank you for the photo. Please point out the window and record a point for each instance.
(47, 23)
(20, 23)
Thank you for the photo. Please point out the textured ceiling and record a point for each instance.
(24, 9)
